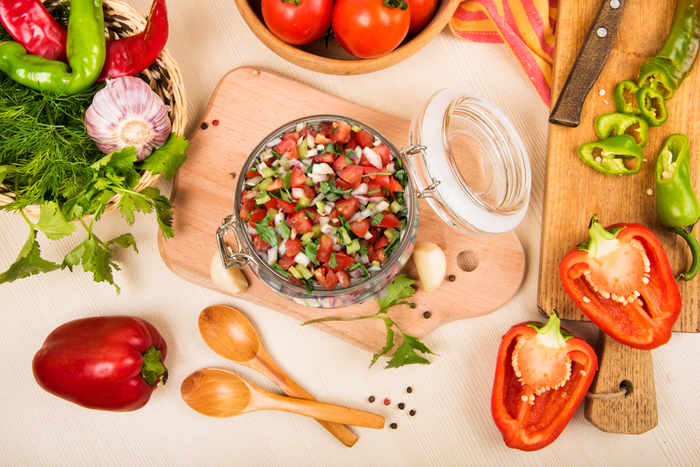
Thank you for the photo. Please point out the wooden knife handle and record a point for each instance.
(632, 411)
(588, 65)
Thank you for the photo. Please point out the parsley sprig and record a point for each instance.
(407, 352)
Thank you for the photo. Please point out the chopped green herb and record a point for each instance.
(328, 189)
(284, 230)
(373, 192)
(377, 219)
(365, 272)
(310, 251)
(309, 215)
(378, 173)
(332, 262)
(280, 269)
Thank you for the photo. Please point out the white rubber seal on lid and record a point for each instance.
(450, 189)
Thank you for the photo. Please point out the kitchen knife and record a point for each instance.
(588, 65)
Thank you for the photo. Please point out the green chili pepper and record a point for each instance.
(607, 155)
(613, 124)
(652, 106)
(623, 95)
(676, 203)
(85, 48)
(659, 74)
(681, 46)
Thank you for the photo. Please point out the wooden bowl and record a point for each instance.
(334, 60)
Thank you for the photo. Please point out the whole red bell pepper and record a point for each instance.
(542, 375)
(105, 363)
(622, 281)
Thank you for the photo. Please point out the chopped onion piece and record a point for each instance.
(272, 255)
(310, 142)
(311, 153)
(329, 230)
(251, 230)
(302, 259)
(327, 209)
(372, 157)
(360, 190)
(320, 147)
(368, 236)
(365, 213)
(337, 247)
(279, 218)
(323, 168)
(330, 203)
(254, 181)
(296, 163)
(364, 259)
(374, 268)
(274, 142)
(324, 221)
(380, 207)
(354, 217)
(282, 248)
(319, 197)
(298, 193)
(356, 273)
(318, 178)
(261, 166)
(300, 126)
(391, 168)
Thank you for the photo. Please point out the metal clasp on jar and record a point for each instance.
(239, 259)
(408, 155)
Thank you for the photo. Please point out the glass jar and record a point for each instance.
(464, 157)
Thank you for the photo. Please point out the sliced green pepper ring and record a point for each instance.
(610, 154)
(658, 73)
(652, 106)
(613, 124)
(623, 95)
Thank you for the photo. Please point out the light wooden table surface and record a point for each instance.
(453, 423)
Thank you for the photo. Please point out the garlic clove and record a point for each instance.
(431, 264)
(231, 280)
(127, 113)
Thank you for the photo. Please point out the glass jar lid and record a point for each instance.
(469, 162)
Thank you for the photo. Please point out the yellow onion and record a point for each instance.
(127, 113)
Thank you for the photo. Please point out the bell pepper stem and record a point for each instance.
(687, 234)
(153, 370)
(551, 334)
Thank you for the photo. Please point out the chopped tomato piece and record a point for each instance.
(382, 242)
(343, 261)
(259, 244)
(340, 164)
(340, 132)
(327, 157)
(286, 261)
(272, 204)
(326, 129)
(364, 138)
(306, 131)
(326, 277)
(395, 186)
(251, 174)
(313, 213)
(248, 205)
(300, 223)
(348, 207)
(343, 278)
(275, 185)
(343, 185)
(384, 153)
(325, 248)
(293, 247)
(295, 135)
(297, 178)
(308, 191)
(352, 175)
(294, 281)
(257, 215)
(248, 195)
(288, 146)
(390, 220)
(377, 255)
(360, 227)
(285, 206)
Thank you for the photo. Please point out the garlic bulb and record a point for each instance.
(127, 113)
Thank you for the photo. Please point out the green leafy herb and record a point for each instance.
(167, 158)
(365, 272)
(391, 246)
(401, 176)
(373, 192)
(311, 250)
(268, 234)
(284, 230)
(348, 159)
(309, 215)
(29, 260)
(332, 262)
(407, 352)
(309, 287)
(377, 219)
(280, 269)
(331, 189)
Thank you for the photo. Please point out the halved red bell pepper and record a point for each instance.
(106, 363)
(542, 375)
(622, 281)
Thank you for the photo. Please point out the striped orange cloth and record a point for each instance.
(526, 26)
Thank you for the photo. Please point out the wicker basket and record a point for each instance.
(163, 76)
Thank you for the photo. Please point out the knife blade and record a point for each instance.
(589, 63)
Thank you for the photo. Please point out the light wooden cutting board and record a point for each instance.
(247, 105)
(574, 192)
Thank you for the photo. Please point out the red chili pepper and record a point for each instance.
(542, 375)
(131, 55)
(30, 24)
(622, 281)
(104, 363)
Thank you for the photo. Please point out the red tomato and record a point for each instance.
(285, 206)
(326, 277)
(368, 28)
(343, 278)
(275, 185)
(343, 261)
(325, 248)
(343, 185)
(395, 185)
(286, 261)
(300, 223)
(297, 22)
(340, 164)
(293, 247)
(384, 153)
(251, 174)
(352, 175)
(390, 220)
(327, 157)
(364, 138)
(422, 12)
(272, 204)
(382, 242)
(288, 145)
(340, 132)
(258, 215)
(360, 227)
(259, 244)
(308, 191)
(377, 255)
(347, 207)
(297, 178)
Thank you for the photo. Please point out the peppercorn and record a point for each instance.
(387, 401)
(412, 412)
(451, 278)
(410, 389)
(413, 305)
(402, 405)
(394, 426)
(371, 399)
(204, 126)
(427, 315)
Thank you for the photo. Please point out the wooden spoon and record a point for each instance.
(230, 334)
(220, 393)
